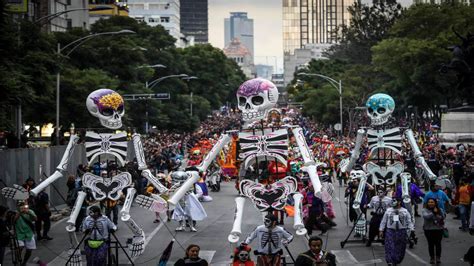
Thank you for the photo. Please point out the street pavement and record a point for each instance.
(212, 237)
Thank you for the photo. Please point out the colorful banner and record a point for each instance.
(17, 6)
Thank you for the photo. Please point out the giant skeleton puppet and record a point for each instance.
(385, 146)
(108, 106)
(256, 99)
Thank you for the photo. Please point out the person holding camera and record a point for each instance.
(433, 226)
(25, 229)
(96, 245)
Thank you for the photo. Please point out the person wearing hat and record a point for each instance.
(98, 226)
(394, 225)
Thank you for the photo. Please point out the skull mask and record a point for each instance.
(380, 107)
(244, 256)
(108, 106)
(357, 174)
(256, 97)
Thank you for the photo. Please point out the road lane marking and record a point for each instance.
(416, 257)
(344, 257)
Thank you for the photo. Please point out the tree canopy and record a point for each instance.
(389, 49)
(29, 64)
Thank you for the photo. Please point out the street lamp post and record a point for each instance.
(335, 84)
(74, 45)
(191, 95)
(50, 17)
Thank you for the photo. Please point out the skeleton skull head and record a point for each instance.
(380, 107)
(357, 174)
(108, 106)
(256, 97)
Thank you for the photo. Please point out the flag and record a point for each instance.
(165, 256)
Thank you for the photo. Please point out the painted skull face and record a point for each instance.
(108, 106)
(357, 174)
(380, 107)
(256, 97)
(244, 256)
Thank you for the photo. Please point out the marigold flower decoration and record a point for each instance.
(113, 100)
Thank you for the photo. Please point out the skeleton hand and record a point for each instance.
(137, 246)
(154, 203)
(76, 257)
(16, 192)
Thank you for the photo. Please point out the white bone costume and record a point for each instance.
(108, 106)
(189, 208)
(385, 145)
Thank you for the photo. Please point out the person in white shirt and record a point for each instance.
(396, 223)
(379, 203)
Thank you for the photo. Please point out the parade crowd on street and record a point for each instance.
(167, 151)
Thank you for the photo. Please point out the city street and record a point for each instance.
(212, 237)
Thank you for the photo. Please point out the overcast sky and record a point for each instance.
(267, 20)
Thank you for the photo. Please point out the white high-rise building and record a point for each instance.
(160, 12)
(241, 27)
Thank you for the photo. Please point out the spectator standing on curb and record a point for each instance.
(433, 226)
(43, 214)
(24, 229)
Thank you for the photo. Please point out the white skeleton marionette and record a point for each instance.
(385, 147)
(189, 209)
(108, 106)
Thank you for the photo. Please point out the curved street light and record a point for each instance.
(336, 84)
(74, 45)
(150, 85)
(151, 66)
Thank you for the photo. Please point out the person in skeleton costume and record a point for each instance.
(385, 145)
(270, 240)
(379, 203)
(396, 224)
(108, 106)
(242, 256)
(98, 226)
(358, 200)
(189, 209)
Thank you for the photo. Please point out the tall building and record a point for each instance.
(312, 21)
(194, 19)
(241, 27)
(301, 57)
(238, 52)
(160, 12)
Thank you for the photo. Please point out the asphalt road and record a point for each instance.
(212, 237)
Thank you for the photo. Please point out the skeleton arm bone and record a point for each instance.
(355, 152)
(193, 178)
(359, 195)
(418, 155)
(223, 140)
(62, 166)
(140, 155)
(405, 184)
(125, 212)
(310, 166)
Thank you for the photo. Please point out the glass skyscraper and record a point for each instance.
(194, 19)
(312, 21)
